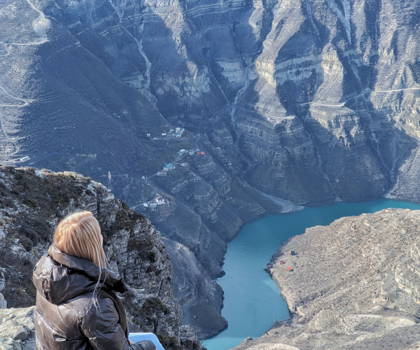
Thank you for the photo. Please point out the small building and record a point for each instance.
(168, 166)
(179, 132)
(160, 201)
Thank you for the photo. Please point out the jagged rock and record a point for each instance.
(308, 101)
(355, 285)
(32, 201)
(17, 329)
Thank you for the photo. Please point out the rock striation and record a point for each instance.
(31, 203)
(205, 114)
(354, 285)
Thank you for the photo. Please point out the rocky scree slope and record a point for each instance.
(354, 285)
(277, 101)
(31, 203)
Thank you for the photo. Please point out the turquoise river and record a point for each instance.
(252, 301)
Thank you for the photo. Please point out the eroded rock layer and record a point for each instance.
(354, 285)
(32, 202)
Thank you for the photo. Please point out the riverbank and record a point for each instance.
(353, 285)
(246, 282)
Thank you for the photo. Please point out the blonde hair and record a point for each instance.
(79, 234)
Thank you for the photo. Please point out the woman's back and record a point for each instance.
(76, 305)
(73, 309)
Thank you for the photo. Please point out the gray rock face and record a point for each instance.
(32, 202)
(307, 101)
(354, 285)
(17, 329)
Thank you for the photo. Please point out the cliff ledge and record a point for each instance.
(31, 203)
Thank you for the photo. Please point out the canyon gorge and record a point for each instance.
(203, 115)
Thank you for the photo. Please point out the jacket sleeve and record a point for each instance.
(102, 328)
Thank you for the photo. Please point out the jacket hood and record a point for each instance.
(60, 277)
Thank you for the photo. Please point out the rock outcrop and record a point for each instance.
(354, 285)
(31, 203)
(17, 330)
(193, 111)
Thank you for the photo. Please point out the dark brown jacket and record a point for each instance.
(67, 316)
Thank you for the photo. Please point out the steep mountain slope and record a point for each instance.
(276, 102)
(33, 201)
(354, 285)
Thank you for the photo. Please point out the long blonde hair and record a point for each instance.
(79, 234)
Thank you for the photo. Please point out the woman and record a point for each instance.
(76, 305)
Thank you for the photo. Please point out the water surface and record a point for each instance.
(252, 299)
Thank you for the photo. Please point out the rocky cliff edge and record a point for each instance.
(32, 201)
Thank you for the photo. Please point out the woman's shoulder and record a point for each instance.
(59, 283)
